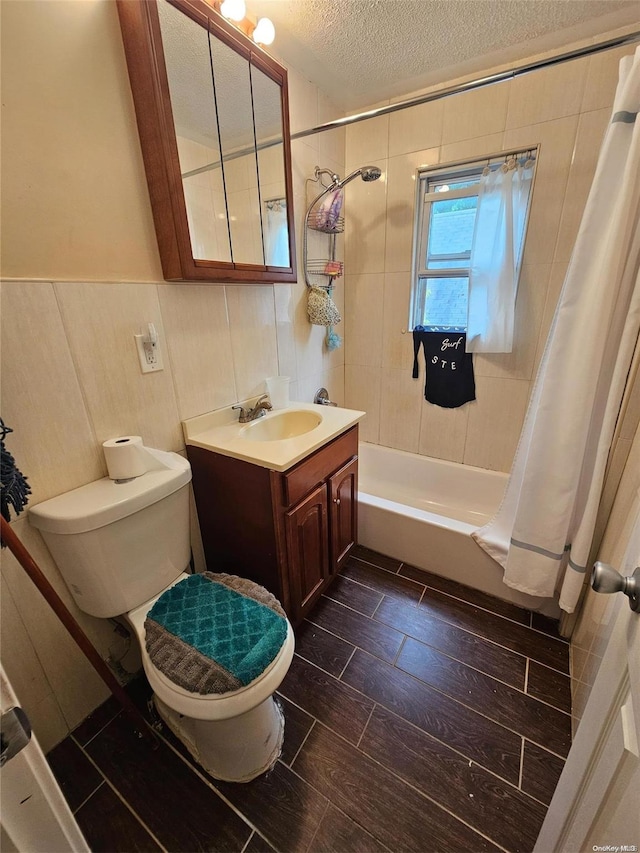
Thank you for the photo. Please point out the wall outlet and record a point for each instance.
(149, 354)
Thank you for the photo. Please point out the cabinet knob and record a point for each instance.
(336, 501)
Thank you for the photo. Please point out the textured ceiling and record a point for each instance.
(363, 51)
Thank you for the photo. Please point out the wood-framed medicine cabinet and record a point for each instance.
(213, 119)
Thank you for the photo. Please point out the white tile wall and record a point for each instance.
(547, 94)
(366, 142)
(443, 432)
(591, 129)
(563, 109)
(100, 323)
(42, 398)
(557, 140)
(198, 344)
(362, 387)
(412, 129)
(74, 685)
(602, 78)
(365, 209)
(495, 421)
(253, 337)
(473, 114)
(364, 300)
(401, 189)
(397, 342)
(399, 410)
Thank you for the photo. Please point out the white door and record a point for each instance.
(596, 806)
(34, 815)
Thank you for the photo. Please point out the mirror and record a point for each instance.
(212, 114)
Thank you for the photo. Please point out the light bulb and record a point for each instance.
(264, 32)
(235, 10)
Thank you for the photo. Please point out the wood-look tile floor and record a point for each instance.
(421, 715)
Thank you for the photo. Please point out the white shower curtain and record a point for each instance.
(495, 256)
(543, 531)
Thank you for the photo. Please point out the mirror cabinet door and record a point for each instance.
(232, 82)
(272, 188)
(194, 116)
(212, 113)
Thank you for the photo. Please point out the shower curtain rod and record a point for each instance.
(469, 86)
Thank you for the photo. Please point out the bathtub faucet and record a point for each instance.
(322, 398)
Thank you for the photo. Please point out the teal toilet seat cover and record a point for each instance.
(213, 633)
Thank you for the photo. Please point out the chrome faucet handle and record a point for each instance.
(243, 411)
(262, 405)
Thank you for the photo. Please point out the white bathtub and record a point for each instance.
(422, 511)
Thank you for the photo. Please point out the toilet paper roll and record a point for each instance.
(126, 457)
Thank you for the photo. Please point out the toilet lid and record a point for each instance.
(214, 633)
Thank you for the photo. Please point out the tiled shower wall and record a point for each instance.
(565, 110)
(81, 277)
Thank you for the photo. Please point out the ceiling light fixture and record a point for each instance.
(234, 10)
(264, 32)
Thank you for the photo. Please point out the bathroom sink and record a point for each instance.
(277, 440)
(281, 425)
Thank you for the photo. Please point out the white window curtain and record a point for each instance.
(495, 256)
(543, 531)
(276, 238)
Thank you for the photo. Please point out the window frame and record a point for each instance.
(425, 178)
(454, 171)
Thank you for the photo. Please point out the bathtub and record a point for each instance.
(422, 511)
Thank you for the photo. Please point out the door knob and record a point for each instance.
(605, 578)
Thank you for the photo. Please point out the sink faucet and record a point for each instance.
(258, 410)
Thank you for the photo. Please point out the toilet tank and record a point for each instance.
(117, 544)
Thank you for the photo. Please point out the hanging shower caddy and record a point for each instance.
(324, 217)
(322, 271)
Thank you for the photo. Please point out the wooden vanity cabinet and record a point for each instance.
(290, 531)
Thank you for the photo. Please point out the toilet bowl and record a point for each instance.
(235, 736)
(120, 546)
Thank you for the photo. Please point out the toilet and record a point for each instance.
(122, 547)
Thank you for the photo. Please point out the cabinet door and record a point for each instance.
(343, 491)
(308, 547)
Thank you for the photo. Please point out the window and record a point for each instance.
(446, 219)
(469, 238)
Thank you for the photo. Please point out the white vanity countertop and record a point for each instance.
(221, 432)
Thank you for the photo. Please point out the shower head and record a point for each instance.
(370, 173)
(367, 173)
